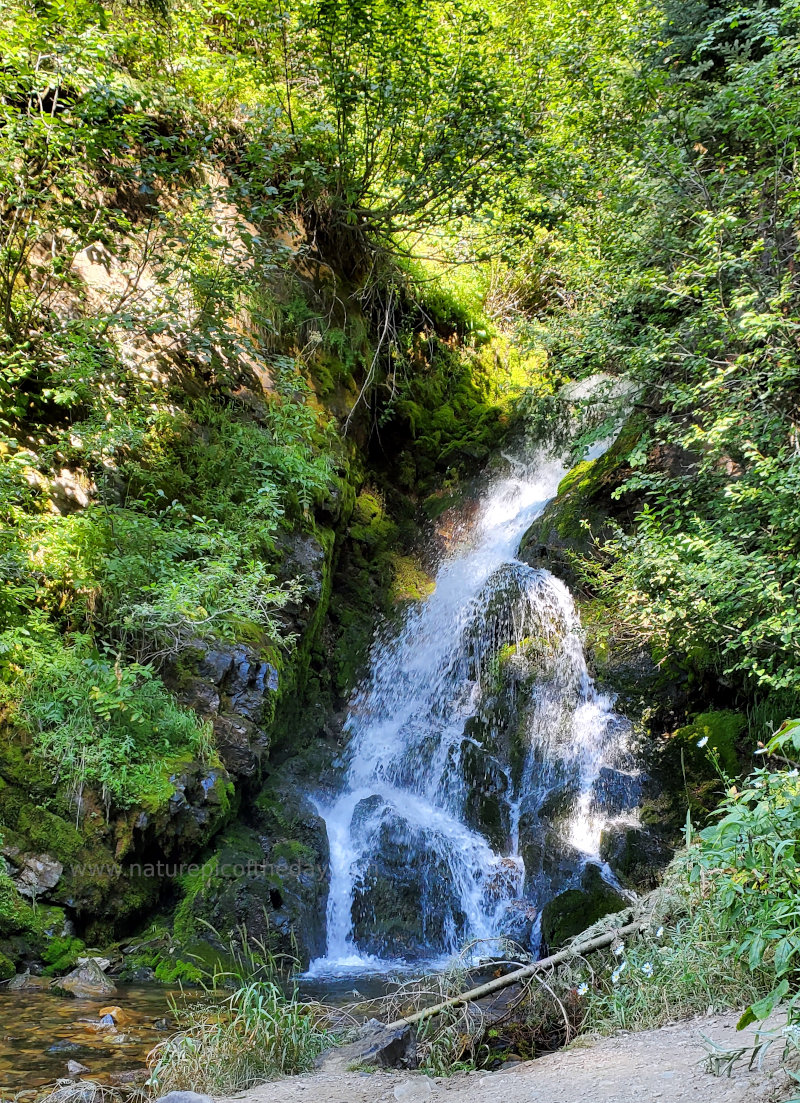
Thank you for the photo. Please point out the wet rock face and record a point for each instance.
(35, 874)
(270, 876)
(235, 689)
(399, 906)
(635, 855)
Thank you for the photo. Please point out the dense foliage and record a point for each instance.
(674, 238)
(198, 208)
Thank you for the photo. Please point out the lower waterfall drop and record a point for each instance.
(482, 762)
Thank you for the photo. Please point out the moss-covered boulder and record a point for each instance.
(403, 903)
(710, 738)
(578, 908)
(267, 877)
(637, 856)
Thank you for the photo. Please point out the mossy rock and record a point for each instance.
(636, 855)
(708, 734)
(7, 967)
(578, 908)
(60, 954)
(581, 510)
(411, 581)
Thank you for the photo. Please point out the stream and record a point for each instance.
(40, 1032)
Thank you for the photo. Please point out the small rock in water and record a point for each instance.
(85, 982)
(410, 1091)
(132, 1076)
(115, 1015)
(27, 980)
(118, 1039)
(64, 1047)
(75, 1068)
(184, 1097)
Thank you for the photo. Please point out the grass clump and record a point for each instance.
(257, 1034)
(672, 970)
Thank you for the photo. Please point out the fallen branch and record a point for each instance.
(576, 950)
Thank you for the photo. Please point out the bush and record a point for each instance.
(747, 863)
(100, 722)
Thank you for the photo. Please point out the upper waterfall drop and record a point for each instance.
(473, 717)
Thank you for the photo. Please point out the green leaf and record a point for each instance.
(763, 1008)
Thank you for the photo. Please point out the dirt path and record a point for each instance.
(659, 1065)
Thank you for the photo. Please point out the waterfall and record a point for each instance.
(482, 761)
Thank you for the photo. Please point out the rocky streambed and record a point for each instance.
(45, 1036)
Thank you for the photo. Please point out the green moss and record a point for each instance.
(192, 884)
(294, 852)
(411, 582)
(16, 914)
(576, 909)
(716, 731)
(49, 833)
(60, 954)
(7, 969)
(177, 971)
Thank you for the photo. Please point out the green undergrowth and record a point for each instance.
(249, 1025)
(258, 1033)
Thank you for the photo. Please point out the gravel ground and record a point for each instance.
(665, 1064)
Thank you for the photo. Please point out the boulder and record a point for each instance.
(27, 980)
(86, 982)
(634, 854)
(403, 899)
(377, 1047)
(578, 908)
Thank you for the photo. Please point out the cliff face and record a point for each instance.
(210, 496)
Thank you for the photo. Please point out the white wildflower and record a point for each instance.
(702, 742)
(619, 949)
(582, 989)
(620, 969)
(647, 969)
(660, 932)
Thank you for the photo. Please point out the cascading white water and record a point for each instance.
(414, 871)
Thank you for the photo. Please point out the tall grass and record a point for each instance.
(256, 1034)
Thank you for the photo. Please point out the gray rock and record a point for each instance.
(27, 980)
(37, 874)
(86, 982)
(184, 1097)
(75, 1068)
(102, 963)
(377, 1047)
(215, 665)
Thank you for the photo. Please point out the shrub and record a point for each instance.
(747, 862)
(98, 721)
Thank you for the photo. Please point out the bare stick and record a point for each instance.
(521, 974)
